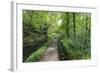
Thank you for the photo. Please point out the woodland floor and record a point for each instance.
(51, 53)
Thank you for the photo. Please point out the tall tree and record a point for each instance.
(30, 17)
(74, 25)
(86, 26)
(67, 24)
(86, 30)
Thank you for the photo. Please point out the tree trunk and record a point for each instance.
(67, 24)
(86, 31)
(74, 24)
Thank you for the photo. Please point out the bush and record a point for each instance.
(35, 56)
(30, 47)
(73, 49)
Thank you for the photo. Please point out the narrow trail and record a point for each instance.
(52, 53)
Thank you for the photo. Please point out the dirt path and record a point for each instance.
(51, 54)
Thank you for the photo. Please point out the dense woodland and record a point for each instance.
(71, 29)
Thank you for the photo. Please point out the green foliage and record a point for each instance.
(35, 56)
(32, 45)
(70, 49)
(75, 42)
(71, 28)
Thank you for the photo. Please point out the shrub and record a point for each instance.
(35, 56)
(70, 50)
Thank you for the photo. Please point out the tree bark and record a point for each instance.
(74, 24)
(67, 24)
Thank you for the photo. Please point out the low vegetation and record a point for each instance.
(71, 29)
